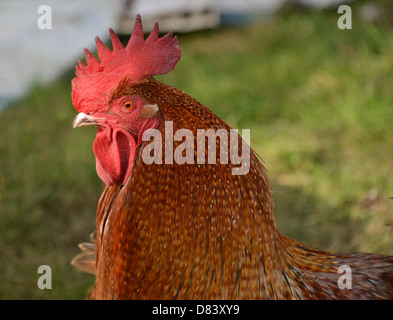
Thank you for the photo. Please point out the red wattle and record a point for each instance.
(115, 153)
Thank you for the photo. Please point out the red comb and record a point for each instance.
(139, 59)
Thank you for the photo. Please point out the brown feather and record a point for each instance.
(196, 231)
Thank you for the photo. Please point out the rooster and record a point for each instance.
(190, 229)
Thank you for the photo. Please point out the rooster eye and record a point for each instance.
(128, 105)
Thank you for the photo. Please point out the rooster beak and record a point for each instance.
(83, 120)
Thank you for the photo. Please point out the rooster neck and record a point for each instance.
(154, 236)
(198, 222)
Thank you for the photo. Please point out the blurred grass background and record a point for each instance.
(318, 101)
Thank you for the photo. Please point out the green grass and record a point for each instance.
(318, 101)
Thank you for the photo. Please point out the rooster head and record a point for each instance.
(100, 93)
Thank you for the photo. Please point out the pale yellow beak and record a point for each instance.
(83, 120)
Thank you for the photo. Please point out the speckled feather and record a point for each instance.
(195, 231)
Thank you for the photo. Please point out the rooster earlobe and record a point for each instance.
(148, 111)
